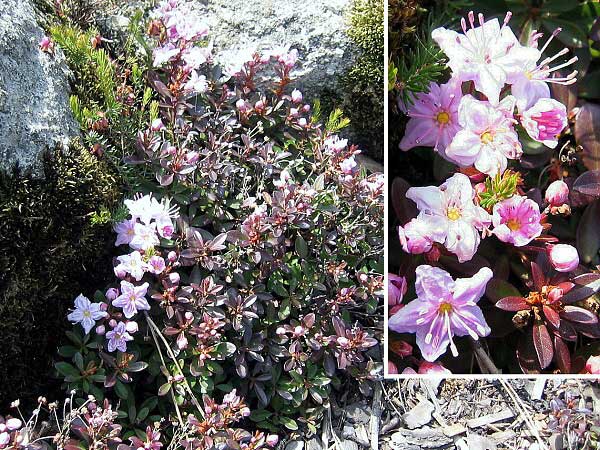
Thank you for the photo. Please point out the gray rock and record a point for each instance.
(34, 92)
(419, 415)
(295, 445)
(315, 29)
(357, 413)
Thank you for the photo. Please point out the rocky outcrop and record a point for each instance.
(34, 92)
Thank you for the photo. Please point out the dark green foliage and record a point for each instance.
(363, 83)
(50, 253)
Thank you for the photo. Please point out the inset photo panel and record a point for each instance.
(493, 167)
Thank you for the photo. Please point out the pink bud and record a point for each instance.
(557, 193)
(120, 272)
(593, 365)
(392, 369)
(131, 326)
(172, 256)
(111, 294)
(296, 96)
(563, 257)
(259, 106)
(306, 108)
(293, 112)
(46, 44)
(414, 237)
(302, 122)
(157, 125)
(4, 439)
(242, 106)
(104, 306)
(100, 330)
(397, 287)
(112, 323)
(174, 278)
(432, 368)
(272, 440)
(13, 424)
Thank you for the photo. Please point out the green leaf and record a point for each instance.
(66, 369)
(258, 415)
(558, 6)
(121, 390)
(301, 247)
(289, 423)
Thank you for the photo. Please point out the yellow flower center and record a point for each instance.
(513, 224)
(528, 74)
(87, 314)
(443, 117)
(453, 213)
(487, 137)
(445, 308)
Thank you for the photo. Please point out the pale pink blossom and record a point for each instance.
(516, 220)
(157, 125)
(46, 45)
(156, 264)
(530, 83)
(563, 257)
(132, 264)
(197, 84)
(194, 57)
(444, 308)
(132, 299)
(145, 237)
(164, 54)
(592, 365)
(451, 207)
(433, 117)
(545, 121)
(430, 368)
(419, 235)
(118, 338)
(86, 313)
(487, 139)
(397, 287)
(296, 96)
(487, 54)
(125, 231)
(335, 145)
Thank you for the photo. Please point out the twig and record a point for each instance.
(485, 362)
(519, 404)
(375, 417)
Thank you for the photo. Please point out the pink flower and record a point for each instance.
(392, 369)
(418, 235)
(517, 220)
(46, 45)
(145, 237)
(164, 54)
(563, 257)
(118, 338)
(487, 54)
(557, 194)
(243, 106)
(156, 264)
(433, 117)
(132, 264)
(443, 308)
(194, 57)
(296, 96)
(545, 121)
(396, 289)
(429, 368)
(125, 232)
(530, 83)
(157, 125)
(196, 84)
(593, 365)
(487, 139)
(451, 207)
(132, 299)
(86, 313)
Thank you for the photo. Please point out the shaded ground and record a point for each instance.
(459, 414)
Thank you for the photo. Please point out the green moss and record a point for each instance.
(363, 83)
(51, 252)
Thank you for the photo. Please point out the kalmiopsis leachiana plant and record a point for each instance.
(489, 223)
(251, 259)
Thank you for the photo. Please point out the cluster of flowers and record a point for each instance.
(92, 425)
(496, 85)
(259, 278)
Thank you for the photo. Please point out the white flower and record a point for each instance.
(86, 313)
(133, 264)
(145, 237)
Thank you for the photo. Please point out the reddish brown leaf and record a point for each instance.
(580, 315)
(562, 355)
(588, 234)
(552, 316)
(587, 134)
(543, 344)
(526, 355)
(537, 276)
(512, 304)
(588, 183)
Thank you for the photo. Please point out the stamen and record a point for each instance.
(506, 18)
(552, 36)
(453, 348)
(560, 66)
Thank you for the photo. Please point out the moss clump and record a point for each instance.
(363, 83)
(52, 250)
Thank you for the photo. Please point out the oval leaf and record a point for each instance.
(543, 345)
(513, 304)
(588, 183)
(587, 134)
(579, 315)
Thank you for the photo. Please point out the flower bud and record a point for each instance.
(112, 323)
(4, 438)
(392, 369)
(272, 440)
(46, 44)
(593, 365)
(172, 256)
(157, 125)
(174, 278)
(111, 294)
(259, 106)
(13, 424)
(100, 330)
(397, 287)
(306, 108)
(131, 326)
(432, 368)
(296, 96)
(293, 112)
(557, 193)
(302, 122)
(242, 106)
(563, 257)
